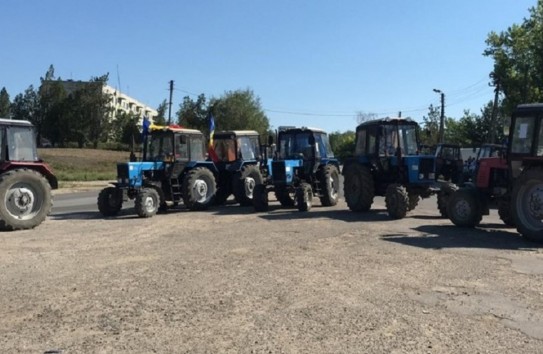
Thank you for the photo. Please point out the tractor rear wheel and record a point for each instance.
(25, 199)
(397, 201)
(199, 188)
(463, 208)
(147, 202)
(527, 204)
(304, 197)
(110, 201)
(358, 187)
(504, 211)
(260, 198)
(447, 189)
(330, 185)
(244, 183)
(283, 195)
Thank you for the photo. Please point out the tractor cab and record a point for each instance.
(525, 160)
(449, 163)
(237, 145)
(168, 144)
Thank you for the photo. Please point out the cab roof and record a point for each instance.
(388, 121)
(173, 128)
(302, 129)
(236, 133)
(18, 122)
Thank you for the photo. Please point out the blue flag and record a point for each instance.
(211, 130)
(145, 126)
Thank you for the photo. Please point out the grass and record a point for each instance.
(83, 164)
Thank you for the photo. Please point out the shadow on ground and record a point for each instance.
(451, 236)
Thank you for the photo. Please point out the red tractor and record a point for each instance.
(25, 180)
(514, 182)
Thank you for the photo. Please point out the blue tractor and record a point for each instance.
(240, 164)
(387, 163)
(173, 169)
(303, 167)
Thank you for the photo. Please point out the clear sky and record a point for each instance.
(312, 63)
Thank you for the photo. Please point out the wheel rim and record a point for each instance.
(22, 201)
(332, 183)
(149, 204)
(531, 205)
(250, 184)
(463, 209)
(200, 191)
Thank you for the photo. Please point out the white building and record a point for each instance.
(119, 101)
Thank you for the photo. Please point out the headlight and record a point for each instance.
(432, 175)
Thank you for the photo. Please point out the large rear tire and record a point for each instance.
(447, 189)
(25, 199)
(260, 198)
(110, 201)
(397, 201)
(527, 204)
(244, 183)
(504, 211)
(463, 208)
(358, 187)
(199, 188)
(147, 202)
(330, 185)
(304, 197)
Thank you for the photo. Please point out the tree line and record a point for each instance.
(85, 116)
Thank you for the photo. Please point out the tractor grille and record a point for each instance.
(122, 171)
(278, 171)
(426, 166)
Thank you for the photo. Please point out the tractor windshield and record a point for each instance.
(21, 144)
(295, 145)
(248, 147)
(408, 139)
(225, 148)
(523, 135)
(160, 146)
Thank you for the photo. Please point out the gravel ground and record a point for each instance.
(229, 280)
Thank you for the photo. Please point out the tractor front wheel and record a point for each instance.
(25, 199)
(330, 185)
(244, 183)
(304, 197)
(110, 201)
(260, 198)
(147, 202)
(463, 208)
(397, 201)
(283, 195)
(527, 204)
(199, 188)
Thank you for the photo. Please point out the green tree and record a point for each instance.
(518, 60)
(343, 144)
(239, 109)
(4, 103)
(160, 119)
(53, 118)
(194, 114)
(430, 126)
(26, 106)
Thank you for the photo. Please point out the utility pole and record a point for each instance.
(442, 118)
(494, 114)
(170, 104)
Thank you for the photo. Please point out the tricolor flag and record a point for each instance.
(210, 149)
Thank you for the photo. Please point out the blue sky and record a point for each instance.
(311, 63)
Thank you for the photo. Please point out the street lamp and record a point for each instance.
(442, 118)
